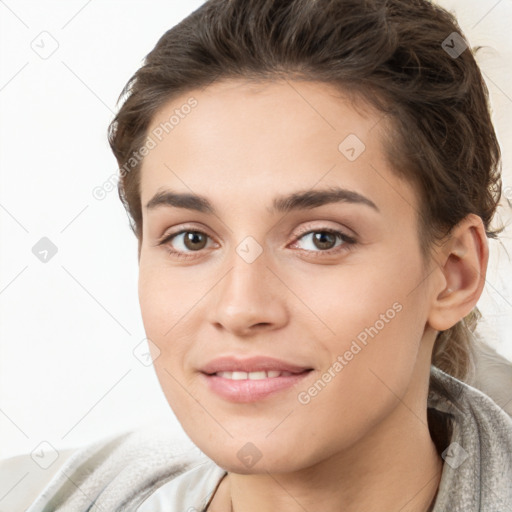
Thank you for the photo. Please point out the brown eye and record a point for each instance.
(194, 240)
(185, 242)
(324, 239)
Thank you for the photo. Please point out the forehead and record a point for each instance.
(261, 138)
(288, 109)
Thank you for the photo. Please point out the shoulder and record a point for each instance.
(478, 459)
(469, 406)
(114, 473)
(492, 374)
(23, 477)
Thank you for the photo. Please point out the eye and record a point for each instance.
(324, 240)
(186, 240)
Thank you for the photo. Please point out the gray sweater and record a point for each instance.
(147, 471)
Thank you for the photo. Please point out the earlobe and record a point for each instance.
(462, 261)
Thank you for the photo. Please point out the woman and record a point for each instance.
(312, 185)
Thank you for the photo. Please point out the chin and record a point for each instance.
(234, 465)
(244, 456)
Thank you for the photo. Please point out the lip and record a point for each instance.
(248, 390)
(251, 364)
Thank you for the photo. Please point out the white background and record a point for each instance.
(68, 374)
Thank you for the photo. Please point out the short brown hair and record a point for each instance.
(394, 54)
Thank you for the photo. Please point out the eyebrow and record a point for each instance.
(300, 200)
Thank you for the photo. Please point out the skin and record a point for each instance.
(362, 443)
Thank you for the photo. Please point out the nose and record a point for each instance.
(249, 298)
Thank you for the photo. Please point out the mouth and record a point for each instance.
(256, 375)
(245, 380)
(254, 368)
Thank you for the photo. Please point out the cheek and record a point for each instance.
(161, 309)
(375, 317)
(166, 296)
(347, 300)
(168, 303)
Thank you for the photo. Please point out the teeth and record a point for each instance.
(252, 375)
(259, 375)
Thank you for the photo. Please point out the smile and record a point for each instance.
(252, 375)
(246, 387)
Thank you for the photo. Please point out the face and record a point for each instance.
(331, 284)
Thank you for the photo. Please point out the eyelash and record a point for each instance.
(348, 244)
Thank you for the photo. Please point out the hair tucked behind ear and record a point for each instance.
(397, 55)
(453, 350)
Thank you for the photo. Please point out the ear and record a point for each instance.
(462, 263)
